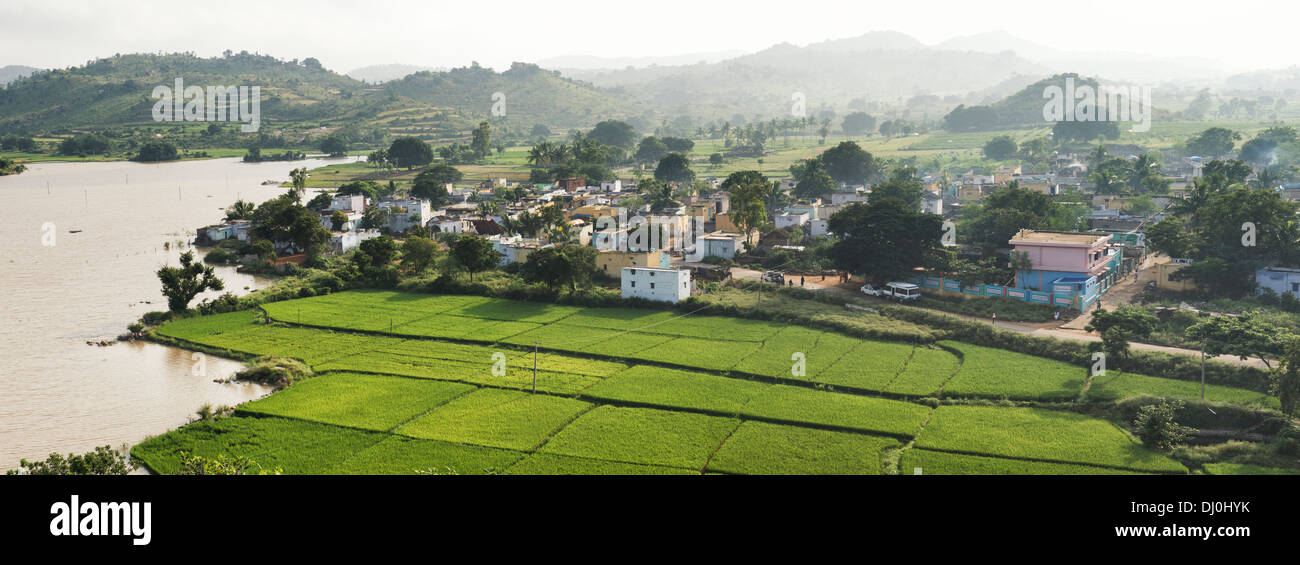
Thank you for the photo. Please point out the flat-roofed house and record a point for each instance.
(1064, 259)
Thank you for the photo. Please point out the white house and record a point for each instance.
(348, 202)
(1279, 280)
(407, 214)
(723, 245)
(790, 219)
(611, 186)
(651, 283)
(349, 240)
(848, 196)
(931, 203)
(818, 228)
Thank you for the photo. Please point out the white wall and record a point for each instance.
(665, 285)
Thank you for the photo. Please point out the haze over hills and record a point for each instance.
(376, 74)
(589, 62)
(10, 73)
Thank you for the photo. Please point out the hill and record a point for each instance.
(300, 98)
(376, 74)
(10, 73)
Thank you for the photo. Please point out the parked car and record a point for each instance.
(774, 277)
(900, 291)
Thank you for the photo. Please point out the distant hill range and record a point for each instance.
(10, 73)
(115, 92)
(376, 74)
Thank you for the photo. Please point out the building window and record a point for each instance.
(1295, 288)
(652, 286)
(634, 284)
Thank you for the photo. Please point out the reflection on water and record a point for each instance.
(56, 392)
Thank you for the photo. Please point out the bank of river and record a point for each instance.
(112, 225)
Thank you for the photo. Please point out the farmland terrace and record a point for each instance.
(417, 383)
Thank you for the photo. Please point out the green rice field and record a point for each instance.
(428, 384)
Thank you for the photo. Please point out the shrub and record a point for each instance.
(1156, 427)
(278, 372)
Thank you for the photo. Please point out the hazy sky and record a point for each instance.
(345, 35)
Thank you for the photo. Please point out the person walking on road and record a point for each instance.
(995, 318)
(800, 280)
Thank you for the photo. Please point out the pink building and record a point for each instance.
(1059, 259)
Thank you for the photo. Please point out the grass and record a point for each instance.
(701, 353)
(760, 448)
(368, 402)
(399, 455)
(676, 389)
(497, 418)
(942, 463)
(877, 415)
(776, 358)
(1115, 385)
(643, 435)
(551, 464)
(1245, 469)
(872, 365)
(927, 370)
(1034, 433)
(298, 447)
(997, 373)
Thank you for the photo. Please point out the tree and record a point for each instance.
(1286, 381)
(678, 144)
(1120, 326)
(1169, 236)
(418, 253)
(263, 249)
(334, 146)
(338, 220)
(104, 460)
(674, 167)
(1213, 143)
(366, 188)
(848, 163)
(883, 239)
(749, 193)
(481, 140)
(1001, 148)
(1156, 427)
(240, 210)
(181, 284)
(298, 180)
(904, 185)
(651, 150)
(474, 254)
(155, 151)
(857, 123)
(1066, 132)
(715, 159)
(410, 152)
(487, 209)
(811, 179)
(561, 265)
(615, 133)
(431, 183)
(1246, 335)
(282, 219)
(376, 252)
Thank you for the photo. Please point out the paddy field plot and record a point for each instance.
(369, 402)
(1117, 385)
(871, 365)
(643, 435)
(496, 418)
(760, 448)
(997, 373)
(551, 464)
(943, 463)
(1038, 434)
(671, 388)
(791, 404)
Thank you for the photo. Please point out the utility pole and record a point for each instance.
(1202, 371)
(535, 344)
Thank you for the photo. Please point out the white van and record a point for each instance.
(900, 291)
